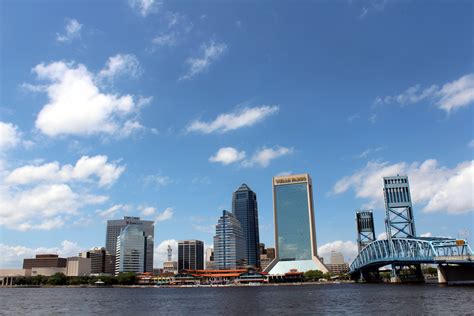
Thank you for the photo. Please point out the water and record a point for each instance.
(305, 299)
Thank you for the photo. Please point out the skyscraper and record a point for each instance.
(365, 228)
(295, 231)
(190, 255)
(229, 243)
(244, 207)
(131, 245)
(114, 228)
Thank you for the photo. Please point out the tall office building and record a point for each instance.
(131, 249)
(399, 220)
(190, 255)
(229, 243)
(295, 231)
(114, 228)
(244, 207)
(209, 259)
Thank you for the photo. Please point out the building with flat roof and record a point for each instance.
(114, 228)
(45, 261)
(229, 243)
(190, 255)
(295, 230)
(267, 255)
(78, 266)
(102, 262)
(245, 209)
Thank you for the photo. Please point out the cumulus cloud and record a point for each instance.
(72, 31)
(264, 156)
(12, 256)
(47, 196)
(147, 210)
(428, 234)
(348, 249)
(77, 106)
(210, 52)
(451, 96)
(85, 168)
(235, 120)
(9, 135)
(119, 65)
(167, 214)
(227, 155)
(145, 7)
(435, 188)
(113, 210)
(161, 252)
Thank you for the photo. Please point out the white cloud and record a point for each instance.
(209, 229)
(12, 256)
(436, 188)
(72, 31)
(471, 144)
(145, 7)
(227, 155)
(84, 169)
(76, 105)
(370, 151)
(147, 210)
(161, 252)
(158, 180)
(451, 96)
(210, 52)
(9, 135)
(119, 65)
(264, 156)
(113, 210)
(165, 39)
(428, 234)
(165, 215)
(348, 249)
(382, 235)
(235, 120)
(48, 196)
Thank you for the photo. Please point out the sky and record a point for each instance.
(161, 109)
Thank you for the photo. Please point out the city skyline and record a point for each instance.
(161, 111)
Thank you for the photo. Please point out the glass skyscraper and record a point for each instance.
(244, 207)
(229, 243)
(295, 231)
(131, 246)
(190, 255)
(114, 228)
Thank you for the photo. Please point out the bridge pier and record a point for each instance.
(413, 274)
(455, 274)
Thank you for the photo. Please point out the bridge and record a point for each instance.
(401, 249)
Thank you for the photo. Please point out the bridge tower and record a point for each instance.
(365, 228)
(399, 220)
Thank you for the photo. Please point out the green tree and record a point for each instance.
(126, 278)
(313, 275)
(57, 279)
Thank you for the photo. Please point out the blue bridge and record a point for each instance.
(409, 251)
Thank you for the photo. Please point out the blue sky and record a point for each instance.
(162, 109)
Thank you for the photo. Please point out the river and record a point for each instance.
(276, 300)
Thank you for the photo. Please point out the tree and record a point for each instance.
(57, 279)
(313, 275)
(126, 278)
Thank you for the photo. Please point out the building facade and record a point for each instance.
(209, 258)
(365, 228)
(245, 208)
(229, 243)
(267, 255)
(114, 228)
(78, 266)
(131, 250)
(102, 262)
(45, 261)
(190, 255)
(295, 230)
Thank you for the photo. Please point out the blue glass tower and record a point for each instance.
(244, 207)
(229, 243)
